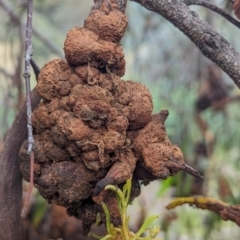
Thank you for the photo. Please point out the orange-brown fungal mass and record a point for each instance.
(92, 128)
(83, 46)
(54, 80)
(111, 27)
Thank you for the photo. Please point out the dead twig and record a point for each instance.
(225, 211)
(27, 74)
(214, 9)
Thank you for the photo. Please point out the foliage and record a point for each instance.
(123, 232)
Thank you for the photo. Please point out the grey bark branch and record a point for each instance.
(210, 43)
(10, 10)
(27, 73)
(215, 9)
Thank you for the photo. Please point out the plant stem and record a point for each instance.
(27, 75)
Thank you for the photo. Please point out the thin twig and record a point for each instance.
(36, 70)
(30, 187)
(193, 172)
(27, 74)
(214, 9)
(35, 67)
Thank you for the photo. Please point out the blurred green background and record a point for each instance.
(168, 63)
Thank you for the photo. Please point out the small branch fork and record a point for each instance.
(27, 75)
(209, 42)
(214, 8)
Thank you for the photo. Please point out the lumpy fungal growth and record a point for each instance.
(92, 128)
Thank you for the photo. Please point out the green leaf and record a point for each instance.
(145, 225)
(165, 185)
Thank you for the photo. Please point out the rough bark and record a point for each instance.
(215, 9)
(10, 178)
(210, 43)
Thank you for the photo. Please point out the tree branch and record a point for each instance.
(27, 73)
(11, 178)
(210, 43)
(35, 68)
(215, 9)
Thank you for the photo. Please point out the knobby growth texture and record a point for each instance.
(94, 129)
